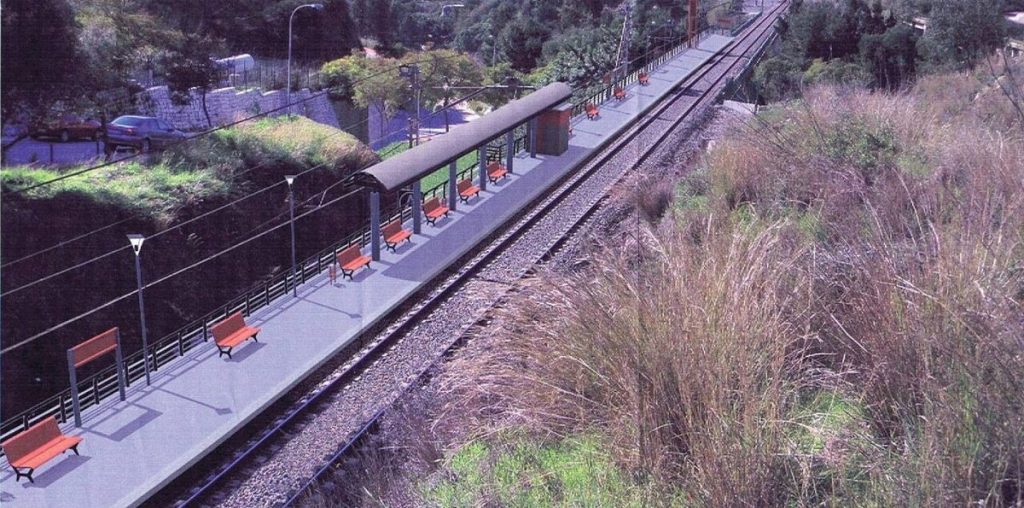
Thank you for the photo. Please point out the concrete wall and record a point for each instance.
(228, 105)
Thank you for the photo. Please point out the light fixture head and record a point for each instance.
(289, 179)
(136, 241)
(318, 7)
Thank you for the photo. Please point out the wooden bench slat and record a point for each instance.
(467, 190)
(47, 452)
(394, 234)
(349, 260)
(36, 446)
(496, 171)
(95, 347)
(433, 210)
(232, 331)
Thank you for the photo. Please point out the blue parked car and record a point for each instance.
(143, 133)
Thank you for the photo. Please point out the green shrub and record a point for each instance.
(515, 471)
(203, 169)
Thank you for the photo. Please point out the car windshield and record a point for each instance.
(129, 121)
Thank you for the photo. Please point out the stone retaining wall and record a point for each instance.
(228, 105)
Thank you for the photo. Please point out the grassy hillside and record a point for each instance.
(148, 196)
(828, 315)
(221, 165)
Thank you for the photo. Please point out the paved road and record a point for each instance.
(62, 154)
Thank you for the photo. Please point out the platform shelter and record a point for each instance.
(410, 167)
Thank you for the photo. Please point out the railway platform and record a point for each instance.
(131, 449)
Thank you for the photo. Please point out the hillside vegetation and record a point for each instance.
(71, 222)
(226, 163)
(829, 314)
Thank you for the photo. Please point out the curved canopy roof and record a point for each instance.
(420, 161)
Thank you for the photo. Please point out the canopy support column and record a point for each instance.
(417, 207)
(375, 225)
(453, 173)
(510, 148)
(481, 155)
(531, 136)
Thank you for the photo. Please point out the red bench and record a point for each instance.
(592, 111)
(350, 260)
(495, 172)
(620, 93)
(433, 210)
(644, 79)
(394, 234)
(36, 446)
(231, 332)
(467, 190)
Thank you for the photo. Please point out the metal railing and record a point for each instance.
(94, 389)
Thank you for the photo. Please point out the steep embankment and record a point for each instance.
(830, 314)
(92, 213)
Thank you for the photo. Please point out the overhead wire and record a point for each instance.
(167, 277)
(65, 243)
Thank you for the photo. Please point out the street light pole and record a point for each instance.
(136, 241)
(288, 90)
(412, 73)
(291, 215)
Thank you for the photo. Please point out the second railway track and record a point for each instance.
(279, 458)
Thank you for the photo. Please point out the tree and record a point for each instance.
(118, 37)
(444, 66)
(522, 42)
(582, 57)
(961, 32)
(891, 57)
(361, 13)
(374, 83)
(777, 79)
(189, 66)
(40, 61)
(380, 21)
(837, 72)
(371, 83)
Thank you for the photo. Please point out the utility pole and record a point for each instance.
(622, 62)
(691, 23)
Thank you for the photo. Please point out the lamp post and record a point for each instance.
(291, 215)
(288, 90)
(412, 73)
(136, 241)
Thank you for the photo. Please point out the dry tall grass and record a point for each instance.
(859, 249)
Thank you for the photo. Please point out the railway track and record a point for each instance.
(482, 275)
